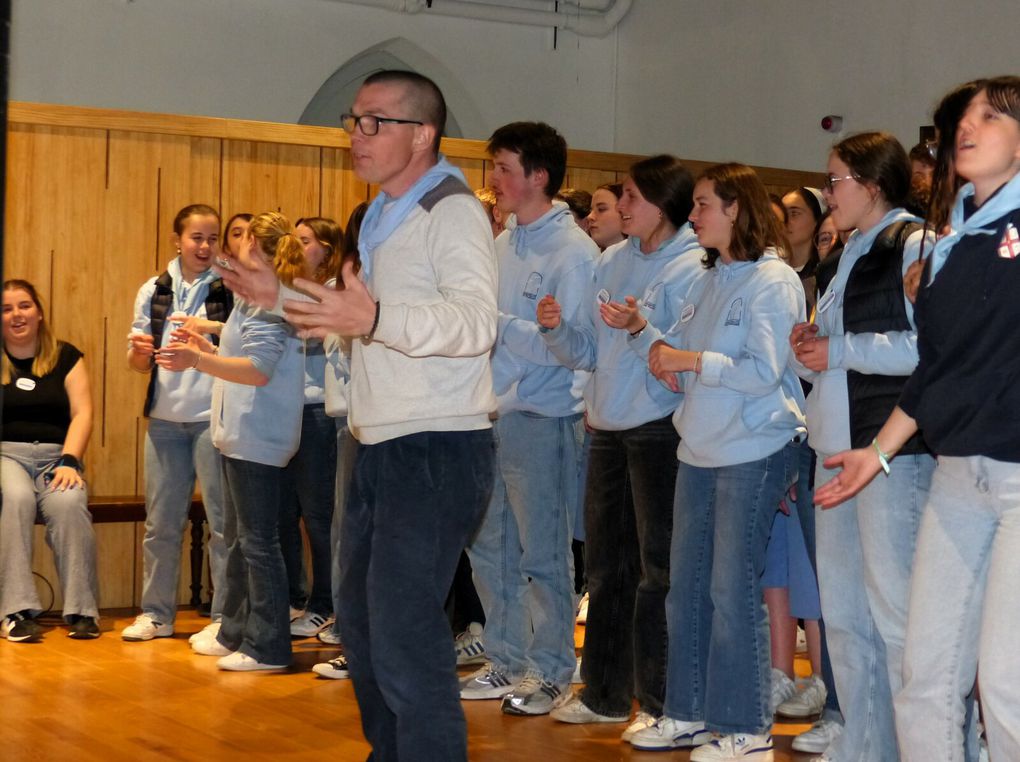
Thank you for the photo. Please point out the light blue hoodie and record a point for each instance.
(746, 403)
(890, 354)
(178, 397)
(622, 393)
(552, 255)
(261, 424)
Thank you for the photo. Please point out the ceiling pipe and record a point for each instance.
(577, 20)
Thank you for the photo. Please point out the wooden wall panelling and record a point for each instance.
(582, 178)
(54, 234)
(260, 177)
(473, 169)
(341, 189)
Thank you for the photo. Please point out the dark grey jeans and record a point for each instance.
(413, 504)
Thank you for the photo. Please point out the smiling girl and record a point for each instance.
(964, 610)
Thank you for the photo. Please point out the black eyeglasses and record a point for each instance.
(369, 123)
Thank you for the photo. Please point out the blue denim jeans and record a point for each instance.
(414, 501)
(346, 450)
(309, 482)
(629, 519)
(719, 664)
(174, 454)
(521, 556)
(255, 616)
(24, 482)
(964, 613)
(865, 551)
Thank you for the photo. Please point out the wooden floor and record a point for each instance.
(111, 700)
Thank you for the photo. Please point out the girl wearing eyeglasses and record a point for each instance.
(964, 607)
(858, 354)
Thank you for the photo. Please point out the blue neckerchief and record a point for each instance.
(381, 220)
(1002, 202)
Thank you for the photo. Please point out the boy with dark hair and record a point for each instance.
(521, 554)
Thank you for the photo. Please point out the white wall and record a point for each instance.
(730, 79)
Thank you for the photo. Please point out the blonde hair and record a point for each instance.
(276, 238)
(47, 347)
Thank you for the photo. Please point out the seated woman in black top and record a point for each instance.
(47, 420)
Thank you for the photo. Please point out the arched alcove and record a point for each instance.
(337, 93)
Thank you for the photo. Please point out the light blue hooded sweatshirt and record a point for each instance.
(261, 424)
(893, 353)
(179, 397)
(622, 393)
(551, 255)
(746, 403)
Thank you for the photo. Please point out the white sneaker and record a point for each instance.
(210, 647)
(735, 747)
(576, 712)
(667, 733)
(469, 646)
(209, 631)
(808, 701)
(334, 669)
(490, 682)
(145, 627)
(582, 610)
(817, 738)
(309, 624)
(329, 636)
(239, 662)
(576, 678)
(642, 721)
(783, 689)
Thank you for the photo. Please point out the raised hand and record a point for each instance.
(351, 312)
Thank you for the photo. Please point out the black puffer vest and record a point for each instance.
(218, 304)
(873, 303)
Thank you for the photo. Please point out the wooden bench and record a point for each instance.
(113, 509)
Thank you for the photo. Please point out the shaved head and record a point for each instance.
(421, 97)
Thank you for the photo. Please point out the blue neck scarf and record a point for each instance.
(1002, 202)
(385, 213)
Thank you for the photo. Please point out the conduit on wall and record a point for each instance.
(588, 18)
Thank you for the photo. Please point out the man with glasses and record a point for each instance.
(423, 317)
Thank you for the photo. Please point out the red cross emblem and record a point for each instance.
(1009, 246)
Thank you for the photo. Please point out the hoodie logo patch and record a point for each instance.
(532, 286)
(651, 295)
(736, 312)
(1009, 246)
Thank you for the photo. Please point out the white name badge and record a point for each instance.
(603, 296)
(25, 384)
(826, 301)
(686, 313)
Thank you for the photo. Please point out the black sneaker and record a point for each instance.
(82, 627)
(19, 627)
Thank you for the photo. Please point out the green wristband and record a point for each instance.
(883, 458)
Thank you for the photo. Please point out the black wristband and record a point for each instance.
(70, 461)
(375, 324)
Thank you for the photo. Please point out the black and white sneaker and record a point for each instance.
(82, 627)
(310, 624)
(490, 682)
(334, 669)
(20, 627)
